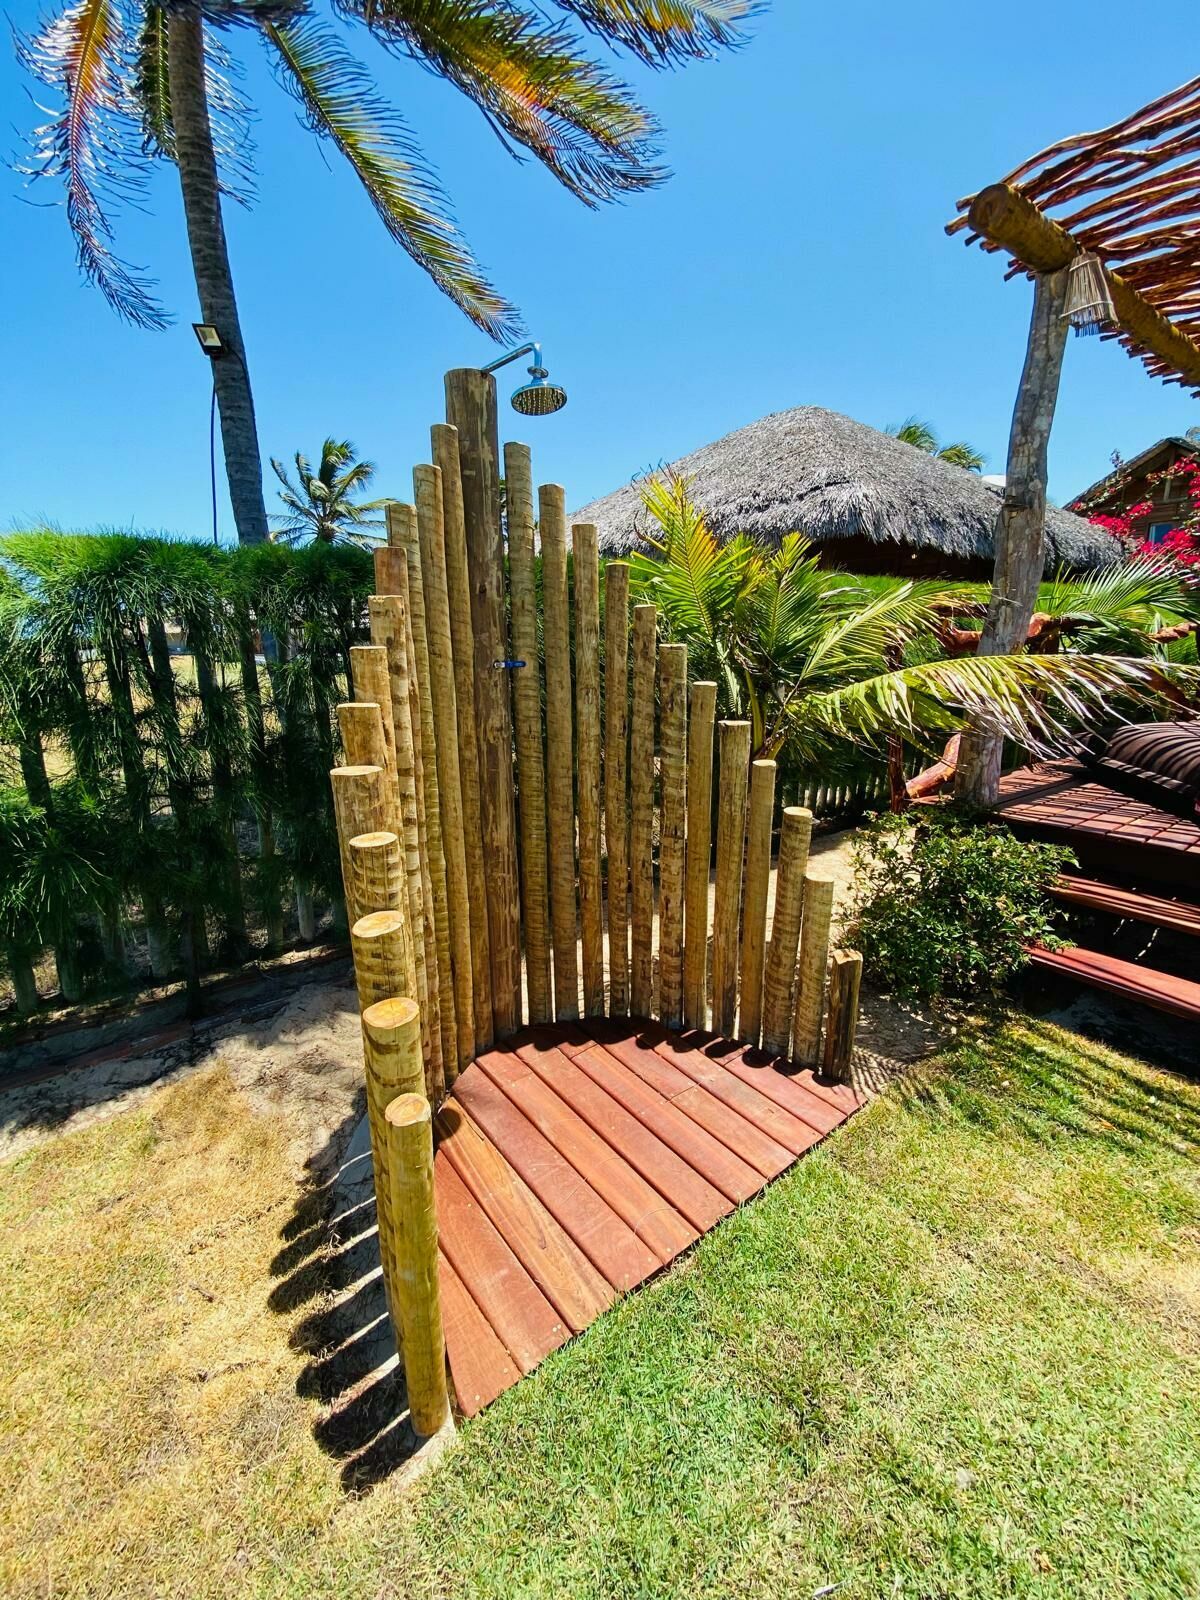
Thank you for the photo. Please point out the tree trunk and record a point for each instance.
(225, 795)
(20, 969)
(210, 264)
(1021, 523)
(33, 771)
(306, 915)
(70, 982)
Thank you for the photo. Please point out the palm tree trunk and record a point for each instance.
(33, 770)
(210, 264)
(20, 970)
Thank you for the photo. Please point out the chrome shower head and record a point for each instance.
(539, 397)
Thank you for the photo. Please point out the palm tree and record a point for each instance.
(818, 662)
(922, 437)
(152, 80)
(323, 506)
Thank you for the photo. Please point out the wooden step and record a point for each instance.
(1179, 997)
(1092, 895)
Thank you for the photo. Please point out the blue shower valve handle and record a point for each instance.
(507, 665)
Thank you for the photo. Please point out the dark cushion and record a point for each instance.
(1159, 761)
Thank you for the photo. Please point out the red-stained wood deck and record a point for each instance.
(577, 1161)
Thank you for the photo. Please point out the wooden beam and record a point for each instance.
(1003, 216)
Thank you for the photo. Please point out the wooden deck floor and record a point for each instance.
(578, 1161)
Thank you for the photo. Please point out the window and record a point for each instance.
(1158, 531)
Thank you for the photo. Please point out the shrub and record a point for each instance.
(945, 903)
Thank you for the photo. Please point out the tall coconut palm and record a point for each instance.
(149, 80)
(922, 437)
(322, 505)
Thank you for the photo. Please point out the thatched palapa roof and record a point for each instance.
(817, 472)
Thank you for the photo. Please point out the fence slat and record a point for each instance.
(672, 666)
(560, 755)
(795, 837)
(587, 736)
(458, 584)
(699, 852)
(616, 777)
(358, 807)
(383, 955)
(810, 978)
(527, 711)
(754, 916)
(845, 976)
(734, 760)
(641, 810)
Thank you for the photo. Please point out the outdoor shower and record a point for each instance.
(539, 397)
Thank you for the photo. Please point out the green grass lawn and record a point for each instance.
(954, 1353)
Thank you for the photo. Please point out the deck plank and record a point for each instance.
(749, 1102)
(480, 1367)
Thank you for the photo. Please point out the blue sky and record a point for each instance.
(796, 257)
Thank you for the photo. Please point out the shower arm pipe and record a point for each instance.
(533, 349)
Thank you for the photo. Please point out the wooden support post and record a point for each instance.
(560, 756)
(427, 489)
(699, 852)
(734, 758)
(810, 977)
(471, 408)
(383, 957)
(411, 666)
(616, 779)
(377, 870)
(441, 750)
(845, 976)
(458, 589)
(358, 807)
(754, 917)
(392, 1057)
(369, 682)
(672, 667)
(641, 812)
(527, 713)
(415, 1288)
(1020, 523)
(794, 838)
(587, 718)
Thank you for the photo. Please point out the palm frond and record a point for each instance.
(533, 83)
(695, 580)
(91, 142)
(961, 454)
(1140, 591)
(340, 102)
(666, 33)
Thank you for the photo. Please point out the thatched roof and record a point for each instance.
(817, 472)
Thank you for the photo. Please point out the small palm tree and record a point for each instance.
(322, 505)
(922, 437)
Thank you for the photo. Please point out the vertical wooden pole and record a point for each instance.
(560, 757)
(1021, 522)
(441, 746)
(369, 682)
(383, 956)
(754, 916)
(778, 985)
(458, 589)
(699, 851)
(471, 408)
(734, 757)
(409, 1133)
(358, 806)
(429, 840)
(377, 869)
(641, 812)
(810, 978)
(616, 778)
(527, 712)
(587, 711)
(845, 976)
(672, 722)
(392, 1056)
(427, 489)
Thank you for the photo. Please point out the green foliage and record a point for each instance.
(945, 904)
(922, 436)
(324, 504)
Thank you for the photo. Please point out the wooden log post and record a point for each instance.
(560, 749)
(527, 714)
(616, 780)
(458, 589)
(358, 807)
(641, 812)
(383, 957)
(377, 871)
(392, 1057)
(441, 749)
(587, 722)
(699, 853)
(733, 743)
(795, 837)
(845, 977)
(754, 916)
(471, 408)
(672, 669)
(415, 1288)
(810, 976)
(1020, 523)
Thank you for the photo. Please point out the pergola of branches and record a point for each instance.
(1128, 194)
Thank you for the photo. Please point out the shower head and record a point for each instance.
(539, 397)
